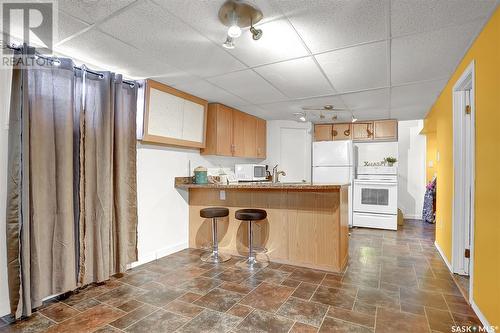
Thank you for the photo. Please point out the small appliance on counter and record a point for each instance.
(250, 172)
(200, 175)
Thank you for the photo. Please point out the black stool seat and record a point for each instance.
(250, 214)
(212, 212)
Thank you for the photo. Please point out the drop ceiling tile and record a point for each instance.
(256, 111)
(430, 55)
(98, 49)
(366, 100)
(91, 11)
(410, 16)
(152, 29)
(285, 110)
(68, 26)
(415, 97)
(249, 86)
(296, 78)
(325, 25)
(411, 112)
(356, 68)
(211, 93)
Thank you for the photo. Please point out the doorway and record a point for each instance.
(464, 171)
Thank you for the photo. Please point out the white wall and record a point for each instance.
(411, 167)
(5, 79)
(276, 150)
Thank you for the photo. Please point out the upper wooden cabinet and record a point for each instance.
(362, 131)
(234, 133)
(173, 117)
(385, 129)
(378, 130)
(261, 138)
(323, 132)
(342, 131)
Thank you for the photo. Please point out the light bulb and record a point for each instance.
(234, 31)
(228, 44)
(302, 118)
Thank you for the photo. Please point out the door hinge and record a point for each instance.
(467, 253)
(467, 109)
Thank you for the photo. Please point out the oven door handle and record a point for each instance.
(391, 184)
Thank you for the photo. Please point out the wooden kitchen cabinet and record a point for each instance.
(219, 131)
(385, 129)
(261, 138)
(323, 132)
(342, 131)
(362, 131)
(231, 132)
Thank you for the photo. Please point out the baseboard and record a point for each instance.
(489, 328)
(160, 253)
(443, 256)
(412, 216)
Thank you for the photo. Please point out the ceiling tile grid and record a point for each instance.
(374, 57)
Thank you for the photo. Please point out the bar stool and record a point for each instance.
(213, 213)
(250, 216)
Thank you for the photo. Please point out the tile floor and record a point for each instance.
(395, 282)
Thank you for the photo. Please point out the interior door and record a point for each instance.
(468, 181)
(295, 158)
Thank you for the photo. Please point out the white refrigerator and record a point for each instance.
(333, 163)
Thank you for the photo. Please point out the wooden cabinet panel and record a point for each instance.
(323, 132)
(261, 138)
(249, 136)
(224, 133)
(362, 131)
(385, 129)
(342, 131)
(238, 133)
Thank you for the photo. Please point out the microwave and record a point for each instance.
(250, 172)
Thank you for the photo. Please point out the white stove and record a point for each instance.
(376, 198)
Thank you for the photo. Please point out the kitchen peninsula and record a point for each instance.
(306, 224)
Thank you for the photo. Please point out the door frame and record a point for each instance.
(461, 167)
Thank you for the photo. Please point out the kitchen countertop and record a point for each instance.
(185, 183)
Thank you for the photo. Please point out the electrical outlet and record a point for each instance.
(222, 195)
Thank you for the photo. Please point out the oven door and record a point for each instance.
(375, 197)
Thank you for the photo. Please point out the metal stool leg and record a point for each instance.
(251, 262)
(214, 256)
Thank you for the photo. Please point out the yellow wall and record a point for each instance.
(439, 125)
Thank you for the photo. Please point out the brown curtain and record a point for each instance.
(108, 199)
(71, 201)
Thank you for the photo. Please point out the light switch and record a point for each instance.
(222, 195)
(437, 157)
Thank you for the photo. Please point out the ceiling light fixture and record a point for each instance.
(353, 119)
(300, 116)
(234, 30)
(229, 43)
(237, 14)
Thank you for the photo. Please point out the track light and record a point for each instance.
(300, 116)
(229, 43)
(256, 33)
(353, 119)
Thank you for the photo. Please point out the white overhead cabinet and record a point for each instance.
(173, 117)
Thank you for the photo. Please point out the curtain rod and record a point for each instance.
(55, 60)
